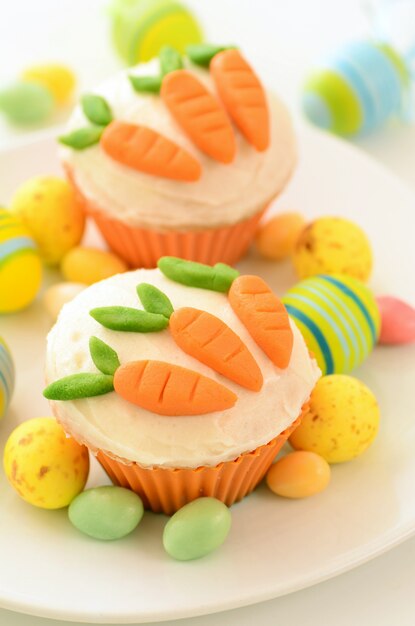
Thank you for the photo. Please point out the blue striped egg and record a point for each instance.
(338, 317)
(6, 377)
(358, 89)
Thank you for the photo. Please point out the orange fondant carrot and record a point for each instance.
(212, 342)
(243, 96)
(145, 150)
(264, 316)
(200, 115)
(169, 389)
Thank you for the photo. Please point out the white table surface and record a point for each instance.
(281, 38)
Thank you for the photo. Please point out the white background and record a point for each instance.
(281, 39)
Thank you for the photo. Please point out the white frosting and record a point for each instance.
(126, 431)
(225, 194)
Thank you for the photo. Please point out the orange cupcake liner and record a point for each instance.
(142, 247)
(165, 490)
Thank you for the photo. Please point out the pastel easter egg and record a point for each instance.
(59, 294)
(45, 467)
(276, 239)
(89, 265)
(333, 245)
(106, 513)
(20, 265)
(342, 421)
(397, 321)
(26, 103)
(51, 210)
(299, 475)
(357, 89)
(197, 529)
(141, 27)
(6, 377)
(338, 318)
(58, 79)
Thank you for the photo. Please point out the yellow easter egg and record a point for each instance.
(20, 265)
(299, 475)
(59, 79)
(276, 239)
(45, 467)
(89, 265)
(331, 245)
(50, 209)
(342, 421)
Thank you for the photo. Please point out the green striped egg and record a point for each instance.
(338, 318)
(6, 377)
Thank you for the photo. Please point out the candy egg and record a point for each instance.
(57, 295)
(89, 265)
(299, 475)
(197, 529)
(276, 239)
(342, 421)
(26, 103)
(333, 245)
(6, 377)
(397, 321)
(140, 28)
(106, 513)
(358, 89)
(45, 467)
(338, 318)
(58, 79)
(49, 208)
(20, 265)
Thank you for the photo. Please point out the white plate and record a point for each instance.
(275, 547)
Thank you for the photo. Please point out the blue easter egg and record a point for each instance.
(358, 89)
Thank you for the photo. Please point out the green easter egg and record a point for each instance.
(26, 103)
(330, 92)
(106, 513)
(141, 27)
(197, 529)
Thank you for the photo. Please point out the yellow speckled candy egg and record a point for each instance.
(276, 239)
(50, 209)
(20, 265)
(342, 422)
(59, 79)
(89, 265)
(45, 467)
(331, 245)
(299, 474)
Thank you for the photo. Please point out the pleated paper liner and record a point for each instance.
(142, 247)
(165, 490)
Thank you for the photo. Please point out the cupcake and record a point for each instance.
(184, 381)
(180, 156)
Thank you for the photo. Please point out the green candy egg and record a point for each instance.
(197, 529)
(26, 103)
(106, 513)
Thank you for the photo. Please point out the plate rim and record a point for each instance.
(353, 558)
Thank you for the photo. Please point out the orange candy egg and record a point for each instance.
(299, 475)
(276, 239)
